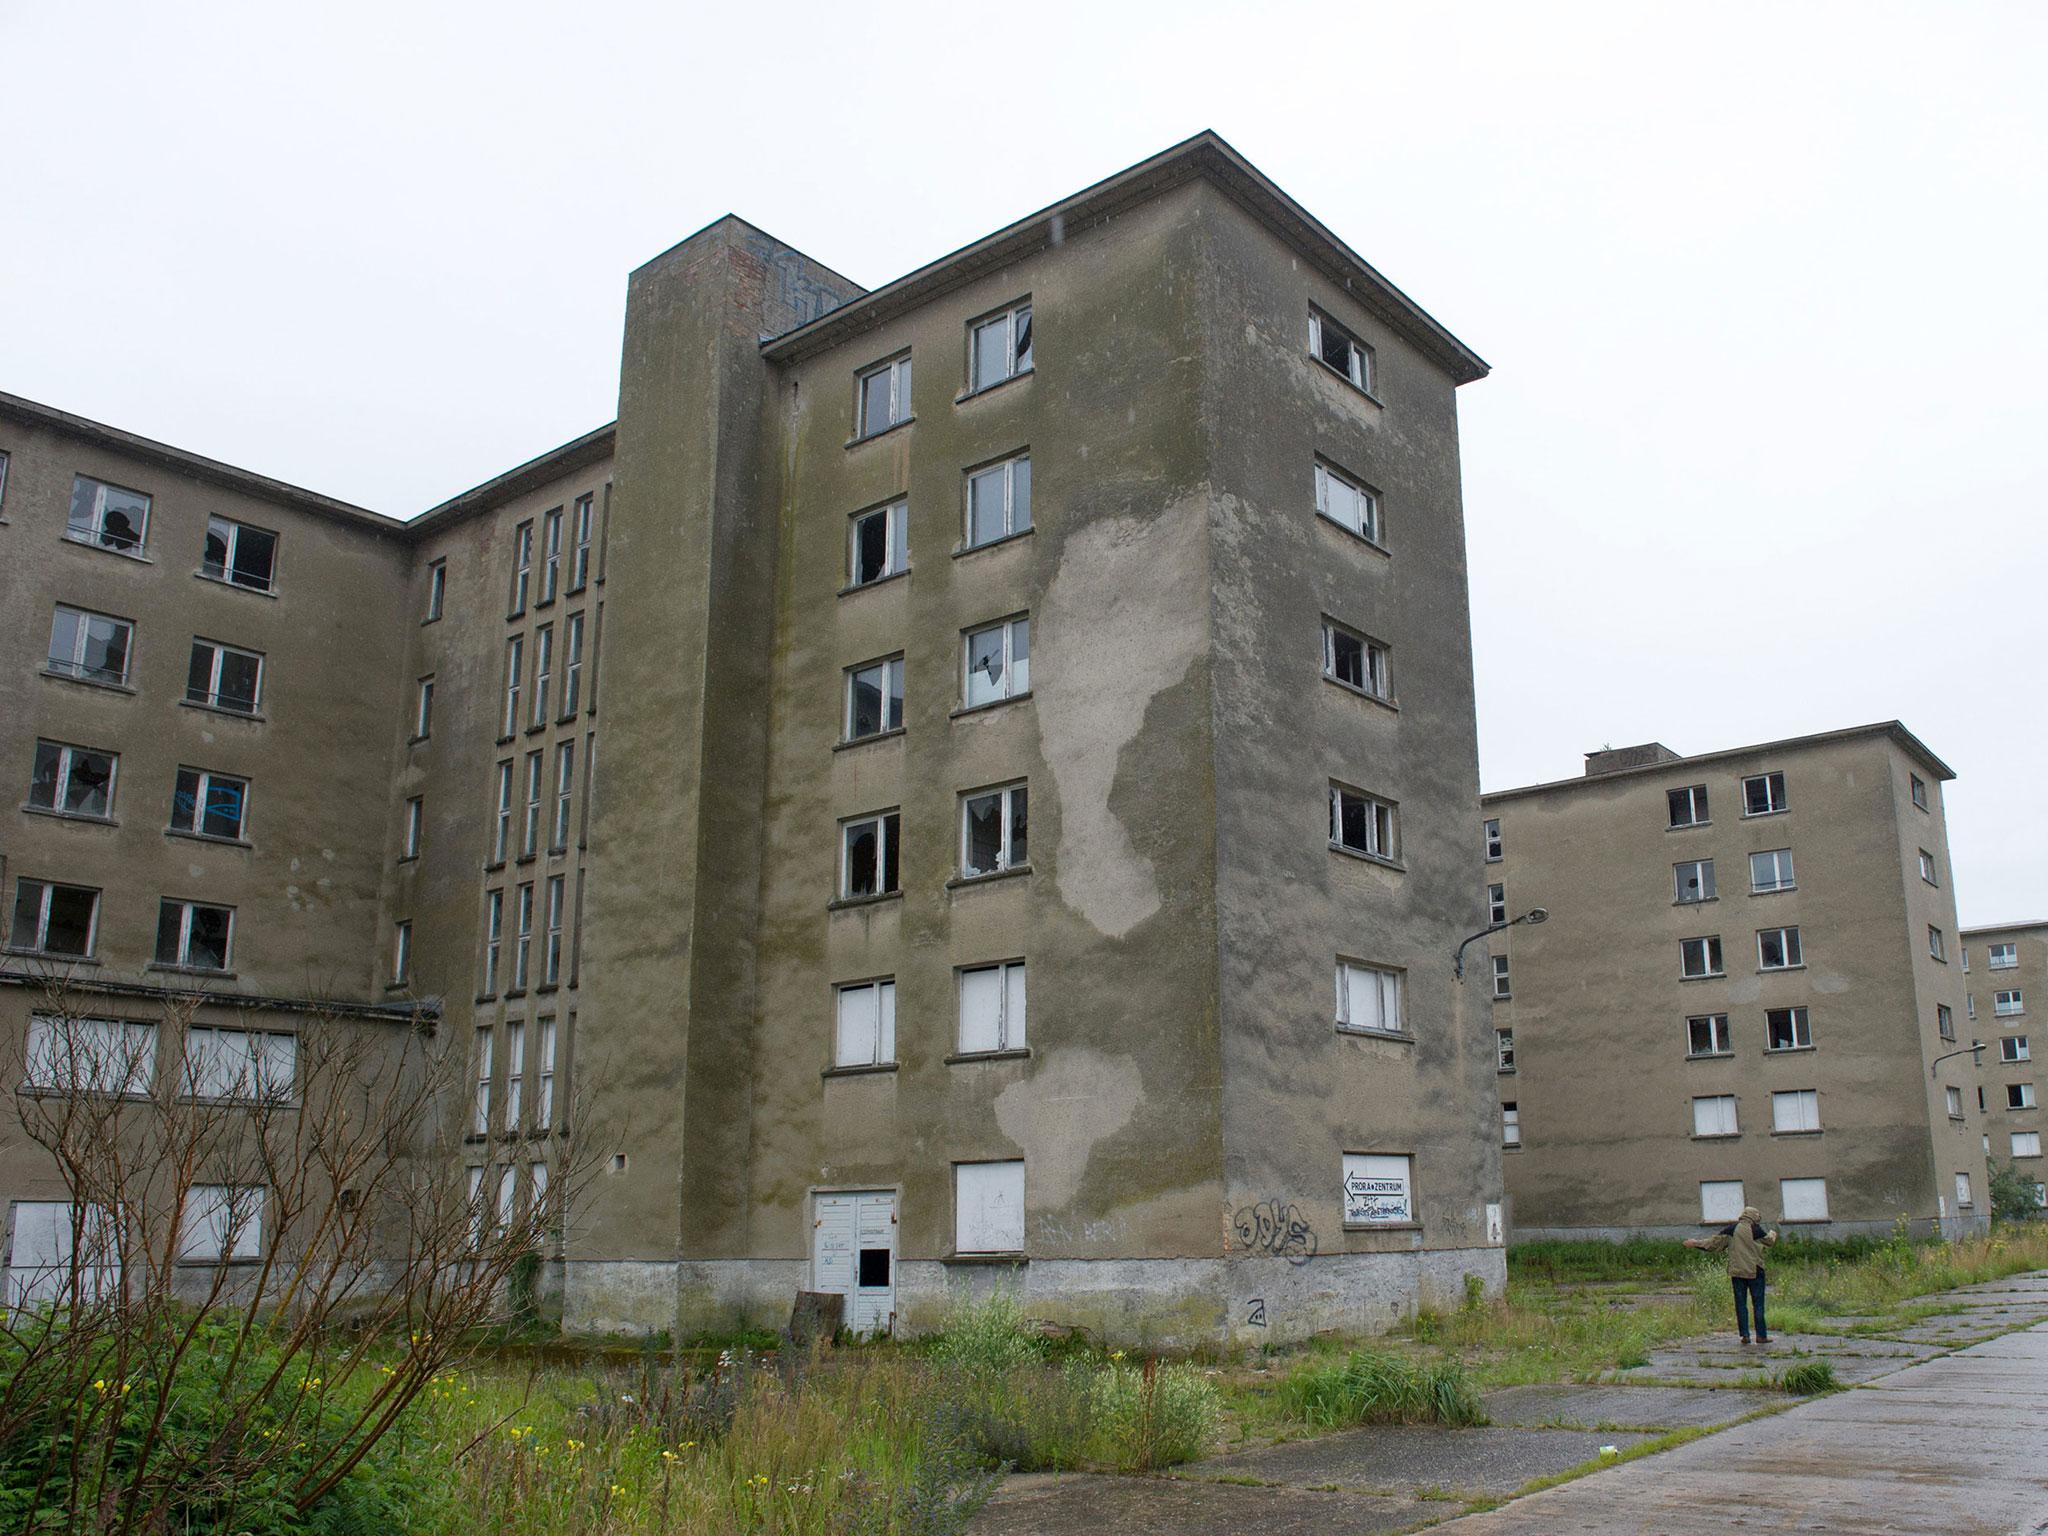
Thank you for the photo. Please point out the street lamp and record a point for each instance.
(1532, 917)
(1975, 1048)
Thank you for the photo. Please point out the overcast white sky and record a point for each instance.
(1762, 286)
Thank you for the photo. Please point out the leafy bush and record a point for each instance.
(1369, 1388)
(2012, 1194)
(989, 1336)
(1153, 1415)
(1809, 1378)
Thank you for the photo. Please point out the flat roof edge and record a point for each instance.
(518, 480)
(1970, 933)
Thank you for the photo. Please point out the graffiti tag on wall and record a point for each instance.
(1274, 1228)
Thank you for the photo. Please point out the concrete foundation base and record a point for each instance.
(1950, 1227)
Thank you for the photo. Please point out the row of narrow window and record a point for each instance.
(99, 648)
(579, 533)
(113, 517)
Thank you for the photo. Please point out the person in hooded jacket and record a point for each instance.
(1745, 1242)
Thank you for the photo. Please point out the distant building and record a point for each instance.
(2005, 970)
(1749, 975)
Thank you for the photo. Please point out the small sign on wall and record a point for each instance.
(1377, 1190)
(1493, 1226)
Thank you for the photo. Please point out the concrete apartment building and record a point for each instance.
(1747, 980)
(2005, 969)
(941, 915)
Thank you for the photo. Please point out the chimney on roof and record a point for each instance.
(1614, 759)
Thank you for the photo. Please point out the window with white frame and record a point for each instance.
(999, 347)
(1918, 790)
(883, 393)
(2004, 957)
(1504, 1050)
(2010, 1002)
(522, 936)
(544, 1076)
(93, 647)
(1763, 794)
(53, 919)
(565, 794)
(536, 783)
(572, 665)
(494, 938)
(1693, 880)
(1970, 1004)
(1721, 1201)
(1714, 1115)
(423, 709)
(880, 544)
(1355, 660)
(1688, 806)
(1502, 986)
(537, 1184)
(543, 673)
(1787, 1029)
(998, 661)
(1771, 870)
(437, 590)
(988, 1207)
(1379, 1189)
(221, 1222)
(73, 781)
(239, 554)
(869, 863)
(1496, 903)
(522, 567)
(994, 827)
(1349, 503)
(1363, 823)
(866, 1034)
(550, 556)
(67, 1054)
(474, 1198)
(515, 1073)
(2013, 1048)
(3, 477)
(515, 677)
(414, 833)
(1955, 1102)
(1803, 1199)
(1700, 957)
(1937, 946)
(224, 677)
(999, 501)
(501, 816)
(508, 1200)
(482, 1059)
(2019, 1096)
(209, 804)
(551, 944)
(1964, 1198)
(579, 556)
(1339, 351)
(1777, 949)
(1510, 1123)
(1491, 834)
(401, 952)
(240, 1064)
(874, 699)
(1927, 867)
(1369, 998)
(194, 935)
(2026, 1143)
(1706, 1034)
(1795, 1111)
(107, 515)
(992, 1011)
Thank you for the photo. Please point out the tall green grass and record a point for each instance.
(1370, 1387)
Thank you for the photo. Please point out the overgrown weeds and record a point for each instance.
(1370, 1387)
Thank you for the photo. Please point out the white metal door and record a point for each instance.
(854, 1255)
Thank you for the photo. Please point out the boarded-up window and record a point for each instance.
(1804, 1199)
(53, 1238)
(1721, 1199)
(1368, 997)
(221, 1222)
(1378, 1189)
(988, 1207)
(1714, 1115)
(992, 1008)
(867, 1024)
(1796, 1110)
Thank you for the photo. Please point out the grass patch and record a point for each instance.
(1368, 1387)
(1809, 1378)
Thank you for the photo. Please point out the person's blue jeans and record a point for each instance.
(1749, 1295)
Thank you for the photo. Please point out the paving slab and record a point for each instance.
(1073, 1504)
(1574, 1407)
(1411, 1456)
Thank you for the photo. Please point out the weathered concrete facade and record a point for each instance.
(1642, 1097)
(2005, 973)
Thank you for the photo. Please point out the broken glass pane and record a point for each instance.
(255, 558)
(984, 835)
(91, 784)
(71, 913)
(871, 548)
(238, 677)
(985, 667)
(218, 535)
(1020, 822)
(862, 861)
(1024, 339)
(223, 808)
(867, 702)
(42, 788)
(106, 650)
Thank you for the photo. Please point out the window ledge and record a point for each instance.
(547, 989)
(55, 815)
(432, 618)
(869, 437)
(1402, 1036)
(1773, 970)
(847, 903)
(207, 837)
(1702, 901)
(977, 709)
(959, 882)
(1709, 1055)
(1759, 815)
(89, 682)
(526, 858)
(1495, 858)
(1364, 693)
(398, 986)
(1814, 1132)
(1687, 826)
(222, 581)
(47, 954)
(189, 970)
(1719, 1136)
(868, 586)
(965, 550)
(107, 549)
(989, 389)
(1504, 1071)
(1776, 890)
(870, 1070)
(255, 716)
(413, 741)
(1382, 1226)
(985, 1258)
(1368, 858)
(536, 729)
(513, 994)
(862, 741)
(1707, 976)
(1020, 1053)
(1352, 533)
(494, 866)
(408, 858)
(1511, 1146)
(1816, 1221)
(1786, 1050)
(505, 741)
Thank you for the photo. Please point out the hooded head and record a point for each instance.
(1750, 1213)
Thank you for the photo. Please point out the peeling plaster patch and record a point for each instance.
(1133, 588)
(1830, 983)
(1058, 1115)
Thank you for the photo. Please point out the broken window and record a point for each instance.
(1362, 823)
(880, 545)
(1771, 870)
(1510, 1123)
(72, 781)
(1706, 1034)
(1803, 1199)
(1794, 1111)
(884, 392)
(208, 804)
(992, 1012)
(1919, 790)
(2004, 957)
(1777, 949)
(1688, 806)
(866, 1033)
(1700, 957)
(1502, 986)
(522, 567)
(1000, 347)
(1340, 351)
(1368, 998)
(1714, 1115)
(1491, 831)
(515, 677)
(1354, 660)
(999, 501)
(1347, 502)
(193, 935)
(998, 662)
(222, 677)
(1504, 1050)
(988, 1207)
(1496, 904)
(239, 554)
(1694, 880)
(90, 645)
(993, 828)
(874, 699)
(2008, 1002)
(52, 919)
(1763, 794)
(1944, 1021)
(2019, 1095)
(1787, 1029)
(867, 855)
(107, 515)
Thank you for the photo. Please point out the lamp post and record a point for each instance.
(1975, 1048)
(1532, 917)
